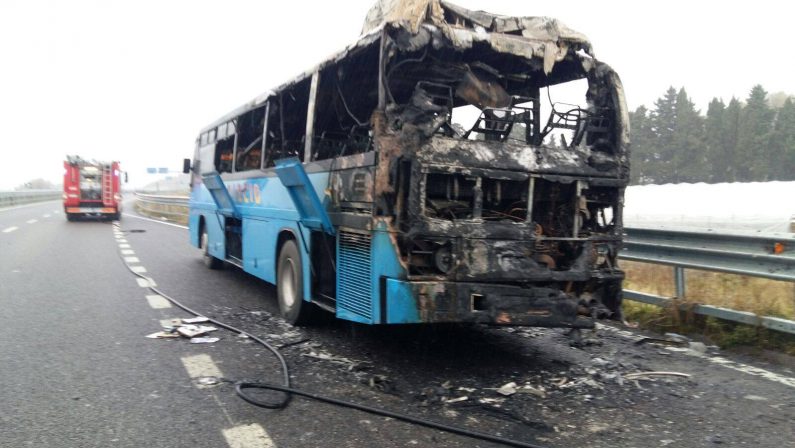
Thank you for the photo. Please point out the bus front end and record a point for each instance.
(494, 203)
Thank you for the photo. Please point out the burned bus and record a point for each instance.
(425, 174)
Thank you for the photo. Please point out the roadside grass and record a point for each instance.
(756, 295)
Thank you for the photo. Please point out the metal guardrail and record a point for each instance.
(160, 205)
(769, 255)
(12, 198)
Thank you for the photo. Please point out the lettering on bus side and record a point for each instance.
(245, 193)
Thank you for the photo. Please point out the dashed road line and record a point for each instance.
(127, 252)
(32, 221)
(10, 229)
(158, 302)
(200, 365)
(248, 436)
(145, 282)
(138, 269)
(46, 215)
(132, 260)
(124, 246)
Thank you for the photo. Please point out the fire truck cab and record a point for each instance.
(91, 188)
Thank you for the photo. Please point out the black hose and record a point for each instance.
(288, 391)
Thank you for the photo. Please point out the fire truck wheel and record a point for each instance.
(209, 261)
(290, 287)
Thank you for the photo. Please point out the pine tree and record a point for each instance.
(642, 138)
(731, 138)
(782, 143)
(754, 137)
(663, 124)
(688, 152)
(714, 141)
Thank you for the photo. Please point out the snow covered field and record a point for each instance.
(754, 206)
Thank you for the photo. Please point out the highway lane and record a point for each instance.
(19, 216)
(78, 371)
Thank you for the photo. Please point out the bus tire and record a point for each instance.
(290, 286)
(70, 217)
(209, 261)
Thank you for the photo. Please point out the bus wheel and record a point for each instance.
(290, 286)
(70, 217)
(209, 261)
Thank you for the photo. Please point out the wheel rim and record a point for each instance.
(287, 283)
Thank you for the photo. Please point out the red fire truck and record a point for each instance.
(91, 188)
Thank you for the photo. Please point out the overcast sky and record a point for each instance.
(135, 80)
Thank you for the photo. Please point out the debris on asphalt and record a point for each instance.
(191, 331)
(325, 356)
(455, 400)
(195, 320)
(208, 380)
(507, 389)
(527, 389)
(204, 340)
(382, 384)
(162, 335)
(662, 341)
(646, 375)
(675, 337)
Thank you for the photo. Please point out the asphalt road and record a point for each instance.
(76, 369)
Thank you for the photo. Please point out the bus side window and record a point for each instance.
(347, 95)
(273, 141)
(249, 140)
(206, 159)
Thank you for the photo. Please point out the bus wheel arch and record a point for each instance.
(290, 281)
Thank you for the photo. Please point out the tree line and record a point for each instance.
(742, 141)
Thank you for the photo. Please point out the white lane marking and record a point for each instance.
(55, 212)
(248, 436)
(121, 241)
(201, 365)
(35, 204)
(154, 220)
(131, 260)
(738, 366)
(46, 215)
(145, 282)
(124, 246)
(127, 252)
(719, 360)
(10, 229)
(138, 269)
(158, 302)
(32, 221)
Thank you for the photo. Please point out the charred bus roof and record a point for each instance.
(542, 41)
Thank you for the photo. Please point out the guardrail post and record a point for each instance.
(679, 279)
